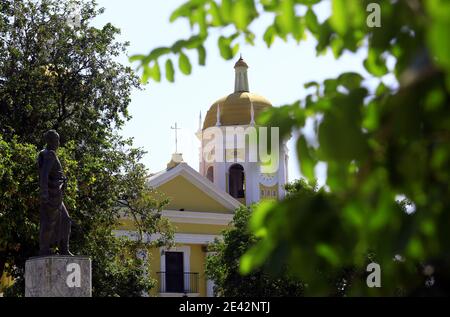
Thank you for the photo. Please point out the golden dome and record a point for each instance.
(235, 109)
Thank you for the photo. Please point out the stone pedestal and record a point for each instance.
(58, 276)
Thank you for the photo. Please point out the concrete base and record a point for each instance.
(58, 276)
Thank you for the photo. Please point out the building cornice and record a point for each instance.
(188, 238)
(198, 217)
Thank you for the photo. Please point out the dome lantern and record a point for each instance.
(241, 77)
(239, 108)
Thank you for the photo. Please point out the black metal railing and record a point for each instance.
(174, 282)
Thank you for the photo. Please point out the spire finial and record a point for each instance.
(252, 114)
(176, 136)
(218, 123)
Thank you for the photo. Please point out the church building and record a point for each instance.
(202, 203)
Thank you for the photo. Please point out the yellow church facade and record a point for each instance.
(199, 212)
(203, 202)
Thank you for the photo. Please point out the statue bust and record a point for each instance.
(55, 222)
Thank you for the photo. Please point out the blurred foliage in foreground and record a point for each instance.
(379, 144)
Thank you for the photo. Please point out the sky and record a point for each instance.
(277, 73)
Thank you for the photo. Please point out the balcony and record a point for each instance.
(186, 283)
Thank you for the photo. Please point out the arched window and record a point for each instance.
(236, 181)
(210, 174)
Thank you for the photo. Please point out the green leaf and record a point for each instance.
(371, 116)
(326, 251)
(299, 29)
(260, 213)
(270, 5)
(340, 135)
(214, 11)
(201, 55)
(308, 2)
(269, 35)
(235, 49)
(184, 64)
(224, 47)
(324, 37)
(178, 46)
(439, 11)
(415, 248)
(242, 13)
(311, 21)
(156, 72)
(194, 42)
(199, 17)
(307, 163)
(136, 58)
(145, 74)
(381, 90)
(226, 10)
(337, 46)
(153, 72)
(339, 19)
(347, 16)
(330, 86)
(435, 100)
(255, 257)
(156, 53)
(286, 18)
(311, 84)
(350, 80)
(184, 10)
(250, 38)
(375, 64)
(170, 72)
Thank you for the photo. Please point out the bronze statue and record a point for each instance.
(55, 221)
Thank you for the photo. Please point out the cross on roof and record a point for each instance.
(176, 136)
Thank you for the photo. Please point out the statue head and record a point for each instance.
(52, 139)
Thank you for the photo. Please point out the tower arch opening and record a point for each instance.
(236, 181)
(210, 174)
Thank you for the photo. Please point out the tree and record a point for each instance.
(223, 266)
(54, 74)
(378, 144)
(60, 76)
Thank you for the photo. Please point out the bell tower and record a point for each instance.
(229, 151)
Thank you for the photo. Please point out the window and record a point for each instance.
(210, 174)
(236, 181)
(174, 276)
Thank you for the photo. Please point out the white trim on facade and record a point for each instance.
(188, 238)
(186, 250)
(197, 217)
(192, 238)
